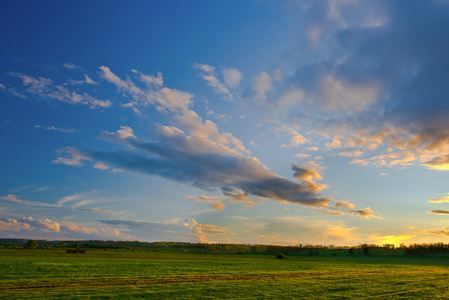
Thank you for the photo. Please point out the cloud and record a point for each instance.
(53, 128)
(207, 233)
(75, 202)
(261, 84)
(439, 231)
(339, 205)
(340, 95)
(351, 153)
(72, 66)
(203, 159)
(81, 200)
(87, 80)
(440, 212)
(12, 225)
(82, 232)
(11, 90)
(379, 88)
(308, 174)
(214, 200)
(238, 196)
(365, 213)
(71, 157)
(151, 93)
(231, 77)
(16, 199)
(11, 198)
(101, 166)
(361, 162)
(98, 210)
(296, 139)
(291, 231)
(44, 228)
(46, 88)
(439, 163)
(191, 150)
(439, 200)
(188, 230)
(390, 239)
(74, 197)
(29, 223)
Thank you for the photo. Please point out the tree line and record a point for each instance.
(311, 250)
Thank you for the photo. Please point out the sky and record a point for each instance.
(255, 122)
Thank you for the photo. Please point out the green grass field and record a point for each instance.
(47, 274)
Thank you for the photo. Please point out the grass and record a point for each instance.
(28, 274)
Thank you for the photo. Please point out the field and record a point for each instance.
(101, 274)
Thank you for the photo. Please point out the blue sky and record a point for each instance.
(295, 122)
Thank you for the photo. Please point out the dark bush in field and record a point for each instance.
(31, 244)
(281, 256)
(83, 251)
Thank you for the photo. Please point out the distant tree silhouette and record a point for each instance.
(365, 249)
(31, 244)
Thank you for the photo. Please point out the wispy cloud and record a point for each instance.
(439, 199)
(366, 213)
(440, 211)
(215, 201)
(46, 88)
(11, 198)
(232, 78)
(296, 138)
(17, 199)
(53, 128)
(151, 93)
(87, 80)
(72, 66)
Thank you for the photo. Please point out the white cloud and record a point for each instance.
(261, 85)
(296, 139)
(232, 77)
(153, 93)
(214, 82)
(71, 66)
(53, 128)
(11, 198)
(46, 88)
(70, 156)
(101, 166)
